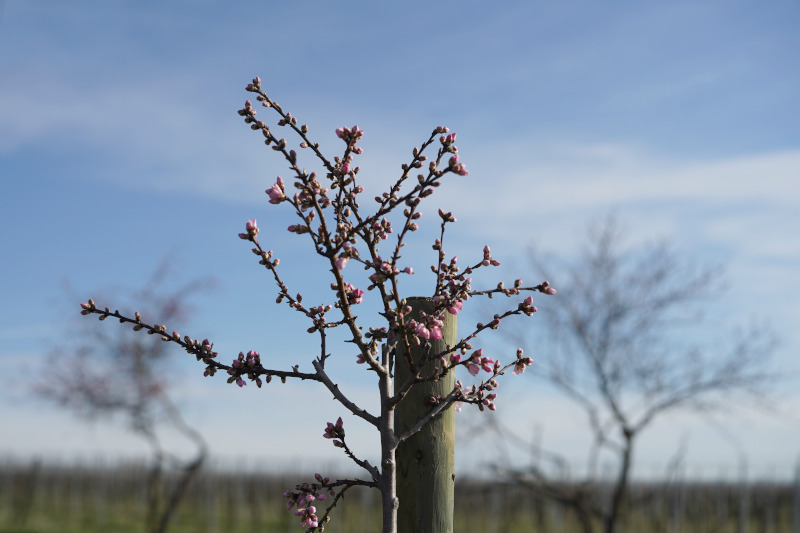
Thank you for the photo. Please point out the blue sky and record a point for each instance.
(120, 145)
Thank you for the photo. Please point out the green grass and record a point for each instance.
(71, 500)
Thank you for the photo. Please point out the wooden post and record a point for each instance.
(426, 461)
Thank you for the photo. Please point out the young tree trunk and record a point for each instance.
(178, 492)
(426, 461)
(387, 484)
(582, 507)
(155, 490)
(621, 486)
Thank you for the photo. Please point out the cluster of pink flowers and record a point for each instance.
(251, 229)
(256, 85)
(428, 326)
(522, 363)
(246, 365)
(382, 228)
(479, 395)
(457, 167)
(308, 517)
(384, 271)
(547, 288)
(476, 363)
(302, 498)
(527, 307)
(354, 295)
(316, 314)
(351, 136)
(335, 431)
(487, 257)
(453, 307)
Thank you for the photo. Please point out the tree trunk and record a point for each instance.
(621, 486)
(387, 484)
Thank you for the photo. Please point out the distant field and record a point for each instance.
(36, 498)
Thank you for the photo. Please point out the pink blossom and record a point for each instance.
(252, 230)
(334, 431)
(341, 262)
(436, 332)
(473, 367)
(455, 358)
(350, 135)
(308, 518)
(358, 296)
(550, 290)
(457, 406)
(527, 307)
(276, 192)
(521, 365)
(458, 168)
(486, 364)
(488, 401)
(457, 306)
(422, 331)
(354, 295)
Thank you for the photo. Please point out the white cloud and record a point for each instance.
(570, 177)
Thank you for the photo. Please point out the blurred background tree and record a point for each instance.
(626, 342)
(105, 373)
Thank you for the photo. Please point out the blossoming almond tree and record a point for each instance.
(329, 213)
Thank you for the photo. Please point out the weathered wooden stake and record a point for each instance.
(426, 461)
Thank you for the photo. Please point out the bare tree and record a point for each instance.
(107, 373)
(626, 346)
